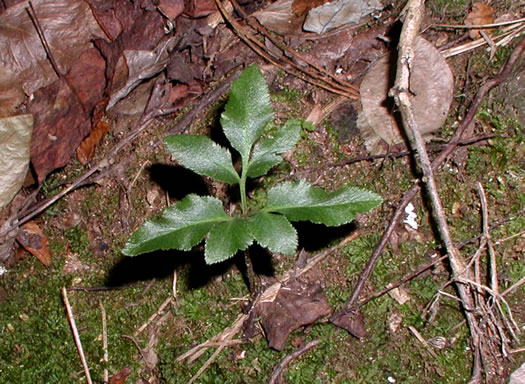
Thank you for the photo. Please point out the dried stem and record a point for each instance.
(274, 378)
(412, 192)
(76, 336)
(403, 98)
(104, 341)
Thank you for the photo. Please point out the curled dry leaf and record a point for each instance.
(280, 18)
(431, 84)
(33, 240)
(480, 14)
(296, 305)
(337, 13)
(301, 7)
(15, 143)
(120, 377)
(86, 149)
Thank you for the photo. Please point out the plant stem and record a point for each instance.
(250, 274)
(242, 185)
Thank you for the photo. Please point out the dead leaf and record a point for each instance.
(432, 85)
(120, 377)
(86, 149)
(60, 126)
(280, 18)
(11, 92)
(337, 13)
(142, 64)
(296, 305)
(171, 8)
(353, 322)
(315, 114)
(201, 8)
(15, 143)
(480, 14)
(400, 295)
(33, 240)
(301, 7)
(394, 321)
(69, 27)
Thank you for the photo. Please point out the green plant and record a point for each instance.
(185, 224)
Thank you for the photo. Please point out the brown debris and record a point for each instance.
(480, 14)
(86, 149)
(33, 240)
(296, 305)
(301, 7)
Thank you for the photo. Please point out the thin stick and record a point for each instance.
(259, 48)
(520, 234)
(269, 294)
(104, 341)
(486, 235)
(463, 26)
(155, 315)
(514, 286)
(76, 336)
(403, 98)
(422, 340)
(174, 286)
(411, 193)
(505, 37)
(294, 355)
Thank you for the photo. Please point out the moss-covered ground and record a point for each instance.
(88, 228)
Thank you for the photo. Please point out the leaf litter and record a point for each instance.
(131, 49)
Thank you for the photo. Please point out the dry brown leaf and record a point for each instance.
(201, 8)
(120, 377)
(280, 18)
(69, 27)
(481, 14)
(431, 83)
(171, 8)
(296, 305)
(86, 149)
(301, 7)
(33, 240)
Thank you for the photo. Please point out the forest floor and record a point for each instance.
(153, 308)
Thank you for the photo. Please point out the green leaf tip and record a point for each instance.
(225, 239)
(274, 232)
(203, 156)
(300, 201)
(247, 111)
(266, 152)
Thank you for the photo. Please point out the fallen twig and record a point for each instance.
(162, 307)
(512, 31)
(412, 192)
(391, 155)
(310, 76)
(403, 98)
(294, 355)
(104, 341)
(76, 336)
